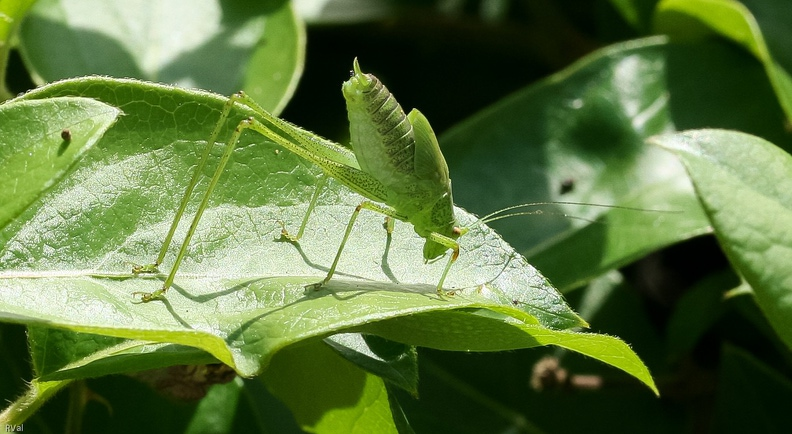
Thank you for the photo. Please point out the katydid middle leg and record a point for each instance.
(389, 212)
(391, 215)
(454, 246)
(153, 267)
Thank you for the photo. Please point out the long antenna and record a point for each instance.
(493, 216)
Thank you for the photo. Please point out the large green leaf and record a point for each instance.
(745, 186)
(239, 295)
(209, 44)
(390, 360)
(40, 141)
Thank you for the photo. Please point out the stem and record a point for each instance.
(11, 14)
(77, 400)
(5, 94)
(5, 50)
(24, 407)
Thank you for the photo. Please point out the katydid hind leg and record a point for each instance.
(227, 152)
(299, 144)
(307, 141)
(153, 267)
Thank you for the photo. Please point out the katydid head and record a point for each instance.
(433, 249)
(438, 225)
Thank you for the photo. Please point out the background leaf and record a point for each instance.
(748, 209)
(328, 394)
(208, 44)
(393, 361)
(586, 125)
(344, 11)
(733, 20)
(11, 13)
(745, 376)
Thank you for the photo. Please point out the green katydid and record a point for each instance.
(395, 162)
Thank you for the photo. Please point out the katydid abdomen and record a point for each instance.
(402, 153)
(381, 135)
